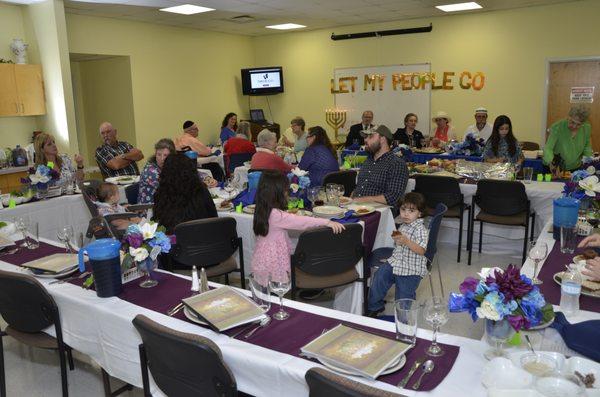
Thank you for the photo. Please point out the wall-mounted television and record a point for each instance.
(262, 81)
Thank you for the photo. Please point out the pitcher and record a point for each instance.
(106, 265)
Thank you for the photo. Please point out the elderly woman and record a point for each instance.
(319, 159)
(46, 152)
(241, 142)
(570, 139)
(409, 135)
(442, 131)
(265, 157)
(150, 174)
(297, 124)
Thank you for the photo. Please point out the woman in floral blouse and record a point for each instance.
(46, 152)
(502, 146)
(151, 172)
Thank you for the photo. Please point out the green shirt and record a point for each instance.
(571, 148)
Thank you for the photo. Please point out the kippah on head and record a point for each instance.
(187, 124)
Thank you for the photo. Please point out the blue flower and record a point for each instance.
(535, 298)
(162, 240)
(496, 300)
(134, 228)
(578, 175)
(532, 313)
(304, 182)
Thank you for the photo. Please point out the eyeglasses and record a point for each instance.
(575, 123)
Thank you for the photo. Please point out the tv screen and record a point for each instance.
(262, 81)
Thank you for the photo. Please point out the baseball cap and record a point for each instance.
(380, 129)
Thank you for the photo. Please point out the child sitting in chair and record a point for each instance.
(108, 203)
(407, 265)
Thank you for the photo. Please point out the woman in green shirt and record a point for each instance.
(570, 138)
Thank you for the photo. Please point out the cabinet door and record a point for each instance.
(30, 89)
(8, 91)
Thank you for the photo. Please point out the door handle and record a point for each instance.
(22, 108)
(17, 107)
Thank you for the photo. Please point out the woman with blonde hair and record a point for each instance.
(46, 152)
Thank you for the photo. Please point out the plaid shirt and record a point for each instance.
(404, 261)
(105, 153)
(387, 175)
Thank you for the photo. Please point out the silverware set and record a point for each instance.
(427, 367)
(64, 280)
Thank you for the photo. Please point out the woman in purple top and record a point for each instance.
(228, 127)
(319, 159)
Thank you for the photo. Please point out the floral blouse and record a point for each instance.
(488, 152)
(67, 171)
(148, 183)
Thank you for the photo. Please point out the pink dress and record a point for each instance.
(272, 252)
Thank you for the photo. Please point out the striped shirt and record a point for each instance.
(105, 153)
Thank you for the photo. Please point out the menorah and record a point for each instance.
(336, 119)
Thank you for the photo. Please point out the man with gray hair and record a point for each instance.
(354, 136)
(265, 157)
(481, 128)
(569, 140)
(115, 157)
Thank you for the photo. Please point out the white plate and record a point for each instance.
(542, 326)
(328, 211)
(584, 367)
(249, 209)
(67, 272)
(345, 200)
(123, 179)
(584, 291)
(192, 317)
(356, 207)
(225, 209)
(301, 212)
(558, 387)
(395, 366)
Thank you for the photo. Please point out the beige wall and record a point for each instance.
(14, 130)
(176, 74)
(510, 47)
(104, 93)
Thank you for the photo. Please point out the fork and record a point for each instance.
(64, 280)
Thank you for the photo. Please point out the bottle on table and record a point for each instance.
(570, 291)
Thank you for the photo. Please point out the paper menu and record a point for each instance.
(56, 263)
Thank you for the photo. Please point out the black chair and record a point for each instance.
(430, 252)
(323, 259)
(445, 190)
(210, 243)
(132, 192)
(236, 160)
(324, 383)
(346, 178)
(501, 203)
(529, 145)
(28, 309)
(182, 364)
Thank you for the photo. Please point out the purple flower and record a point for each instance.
(470, 284)
(510, 283)
(134, 240)
(518, 322)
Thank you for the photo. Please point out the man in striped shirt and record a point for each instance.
(116, 158)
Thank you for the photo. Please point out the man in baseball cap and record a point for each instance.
(482, 128)
(383, 176)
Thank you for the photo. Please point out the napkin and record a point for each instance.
(348, 218)
(246, 197)
(215, 153)
(298, 172)
(581, 337)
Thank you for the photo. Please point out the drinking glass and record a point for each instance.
(146, 267)
(280, 286)
(33, 236)
(332, 196)
(527, 174)
(406, 313)
(261, 292)
(340, 190)
(21, 224)
(568, 239)
(592, 218)
(436, 314)
(313, 194)
(64, 235)
(537, 253)
(229, 187)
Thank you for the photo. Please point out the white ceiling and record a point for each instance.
(315, 14)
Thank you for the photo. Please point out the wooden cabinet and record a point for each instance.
(21, 90)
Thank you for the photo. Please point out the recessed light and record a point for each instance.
(285, 26)
(187, 9)
(459, 7)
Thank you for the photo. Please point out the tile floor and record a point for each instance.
(35, 373)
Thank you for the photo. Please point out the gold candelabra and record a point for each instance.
(336, 119)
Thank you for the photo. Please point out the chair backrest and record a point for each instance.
(205, 242)
(346, 178)
(184, 364)
(530, 145)
(501, 197)
(439, 189)
(320, 252)
(434, 229)
(25, 304)
(89, 191)
(131, 192)
(236, 160)
(323, 383)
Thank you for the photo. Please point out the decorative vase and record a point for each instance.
(19, 48)
(145, 267)
(497, 333)
(41, 191)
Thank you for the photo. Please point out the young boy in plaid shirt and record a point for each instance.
(407, 265)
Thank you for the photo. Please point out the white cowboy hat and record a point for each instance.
(481, 110)
(441, 115)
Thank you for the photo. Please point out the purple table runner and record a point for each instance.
(555, 263)
(25, 255)
(283, 336)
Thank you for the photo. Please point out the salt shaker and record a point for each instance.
(195, 282)
(203, 281)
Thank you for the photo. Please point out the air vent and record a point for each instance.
(242, 19)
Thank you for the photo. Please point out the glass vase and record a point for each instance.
(146, 267)
(497, 332)
(41, 191)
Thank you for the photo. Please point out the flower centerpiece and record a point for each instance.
(404, 151)
(506, 299)
(41, 176)
(584, 186)
(472, 145)
(299, 182)
(142, 244)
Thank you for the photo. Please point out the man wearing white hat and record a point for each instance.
(482, 128)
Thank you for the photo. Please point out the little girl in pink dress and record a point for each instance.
(271, 223)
